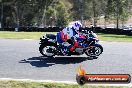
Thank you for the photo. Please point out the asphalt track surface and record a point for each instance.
(20, 59)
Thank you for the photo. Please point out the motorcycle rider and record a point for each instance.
(70, 33)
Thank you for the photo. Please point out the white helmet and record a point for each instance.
(76, 25)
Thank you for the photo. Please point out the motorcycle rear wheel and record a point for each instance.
(47, 51)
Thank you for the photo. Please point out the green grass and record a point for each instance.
(37, 35)
(26, 84)
(22, 35)
(114, 37)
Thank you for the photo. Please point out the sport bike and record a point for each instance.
(49, 46)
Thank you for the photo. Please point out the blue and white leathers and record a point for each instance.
(70, 32)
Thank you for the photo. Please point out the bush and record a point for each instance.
(57, 29)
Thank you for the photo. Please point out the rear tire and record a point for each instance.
(44, 51)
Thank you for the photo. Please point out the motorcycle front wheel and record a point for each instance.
(95, 51)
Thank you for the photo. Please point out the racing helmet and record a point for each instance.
(76, 25)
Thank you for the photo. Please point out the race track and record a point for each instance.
(21, 59)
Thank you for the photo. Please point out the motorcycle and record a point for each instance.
(49, 46)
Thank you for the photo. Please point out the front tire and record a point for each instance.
(95, 51)
(46, 51)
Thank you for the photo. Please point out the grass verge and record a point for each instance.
(114, 37)
(37, 35)
(23, 35)
(27, 84)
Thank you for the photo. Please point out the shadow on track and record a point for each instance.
(46, 62)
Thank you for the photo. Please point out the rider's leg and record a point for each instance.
(72, 47)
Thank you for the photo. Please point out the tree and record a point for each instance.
(27, 12)
(62, 14)
(118, 9)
